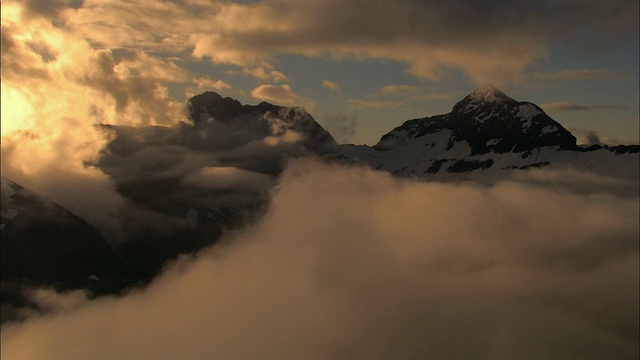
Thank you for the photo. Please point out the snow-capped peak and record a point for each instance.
(487, 93)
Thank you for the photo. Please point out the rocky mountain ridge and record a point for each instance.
(487, 130)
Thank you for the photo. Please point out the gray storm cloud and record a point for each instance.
(353, 263)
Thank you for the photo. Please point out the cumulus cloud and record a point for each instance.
(364, 104)
(201, 85)
(62, 84)
(330, 85)
(262, 74)
(352, 263)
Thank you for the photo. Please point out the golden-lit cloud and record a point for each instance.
(62, 84)
(352, 263)
(69, 65)
(17, 112)
(281, 95)
(429, 37)
(201, 85)
(328, 84)
(262, 74)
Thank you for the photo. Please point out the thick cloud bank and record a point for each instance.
(350, 263)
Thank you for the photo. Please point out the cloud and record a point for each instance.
(571, 106)
(579, 74)
(63, 84)
(330, 85)
(599, 137)
(565, 106)
(365, 104)
(352, 263)
(430, 38)
(201, 85)
(281, 95)
(402, 90)
(341, 126)
(224, 178)
(262, 74)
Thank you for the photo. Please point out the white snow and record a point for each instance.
(527, 111)
(8, 213)
(549, 129)
(485, 93)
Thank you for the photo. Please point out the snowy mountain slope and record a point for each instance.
(488, 120)
(487, 131)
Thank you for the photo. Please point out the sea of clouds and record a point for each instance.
(352, 263)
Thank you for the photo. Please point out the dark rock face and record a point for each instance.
(45, 245)
(207, 110)
(154, 167)
(489, 121)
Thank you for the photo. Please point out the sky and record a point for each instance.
(359, 67)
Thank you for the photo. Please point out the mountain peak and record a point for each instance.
(481, 99)
(488, 93)
(487, 120)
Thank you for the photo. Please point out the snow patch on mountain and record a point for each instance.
(528, 111)
(486, 93)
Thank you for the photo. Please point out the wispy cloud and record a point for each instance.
(364, 104)
(571, 106)
(330, 85)
(400, 90)
(411, 93)
(579, 74)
